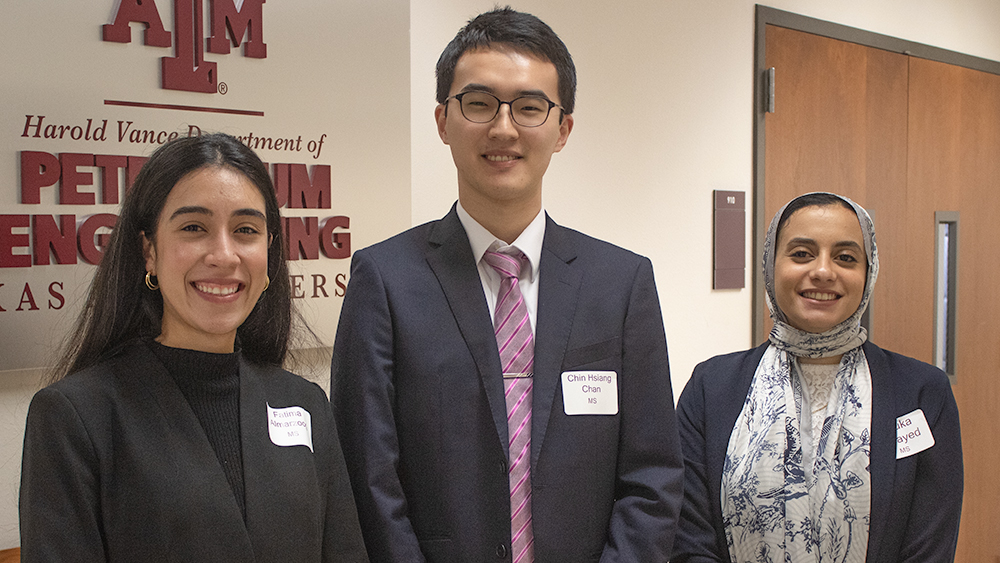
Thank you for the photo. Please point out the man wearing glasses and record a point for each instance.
(500, 382)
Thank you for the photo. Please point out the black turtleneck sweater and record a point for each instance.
(211, 384)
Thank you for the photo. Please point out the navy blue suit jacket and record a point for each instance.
(419, 402)
(916, 501)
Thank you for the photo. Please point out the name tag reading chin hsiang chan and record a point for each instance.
(590, 392)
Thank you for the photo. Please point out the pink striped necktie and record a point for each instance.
(517, 357)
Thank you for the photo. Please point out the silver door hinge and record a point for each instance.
(769, 90)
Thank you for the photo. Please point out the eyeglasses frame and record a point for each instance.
(500, 104)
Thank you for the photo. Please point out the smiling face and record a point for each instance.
(819, 267)
(500, 163)
(209, 255)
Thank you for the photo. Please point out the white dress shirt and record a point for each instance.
(529, 243)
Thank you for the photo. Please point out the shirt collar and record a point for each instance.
(529, 242)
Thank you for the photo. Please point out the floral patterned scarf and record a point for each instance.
(774, 509)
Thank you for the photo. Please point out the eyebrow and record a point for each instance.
(808, 241)
(244, 212)
(474, 87)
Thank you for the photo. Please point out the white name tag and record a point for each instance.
(590, 392)
(290, 426)
(913, 434)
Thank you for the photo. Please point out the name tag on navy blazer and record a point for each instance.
(590, 392)
(913, 434)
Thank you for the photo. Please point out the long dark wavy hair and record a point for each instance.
(120, 307)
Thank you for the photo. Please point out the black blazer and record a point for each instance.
(117, 467)
(916, 501)
(419, 399)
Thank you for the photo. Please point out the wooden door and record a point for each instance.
(905, 137)
(954, 164)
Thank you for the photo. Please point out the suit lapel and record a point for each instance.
(261, 462)
(558, 290)
(167, 403)
(883, 448)
(450, 258)
(277, 476)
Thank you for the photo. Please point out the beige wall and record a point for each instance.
(663, 117)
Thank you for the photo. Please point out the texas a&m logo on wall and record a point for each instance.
(188, 70)
(41, 232)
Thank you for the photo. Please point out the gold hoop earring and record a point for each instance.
(267, 283)
(153, 286)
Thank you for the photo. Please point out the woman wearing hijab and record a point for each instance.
(818, 445)
(171, 433)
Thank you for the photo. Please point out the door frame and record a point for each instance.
(764, 16)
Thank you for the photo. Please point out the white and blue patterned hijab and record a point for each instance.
(776, 510)
(841, 338)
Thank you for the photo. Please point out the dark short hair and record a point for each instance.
(819, 199)
(515, 30)
(120, 307)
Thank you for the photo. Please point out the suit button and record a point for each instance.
(501, 551)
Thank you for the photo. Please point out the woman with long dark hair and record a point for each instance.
(819, 446)
(170, 431)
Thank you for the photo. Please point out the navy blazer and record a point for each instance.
(117, 467)
(419, 401)
(916, 501)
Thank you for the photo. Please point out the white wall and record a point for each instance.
(16, 389)
(663, 117)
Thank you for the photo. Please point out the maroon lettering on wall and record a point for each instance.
(188, 70)
(9, 241)
(72, 179)
(33, 127)
(281, 179)
(60, 239)
(38, 239)
(303, 237)
(139, 12)
(58, 296)
(245, 21)
(91, 244)
(309, 193)
(27, 299)
(336, 245)
(110, 164)
(47, 237)
(38, 170)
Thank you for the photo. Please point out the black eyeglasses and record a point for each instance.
(526, 111)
